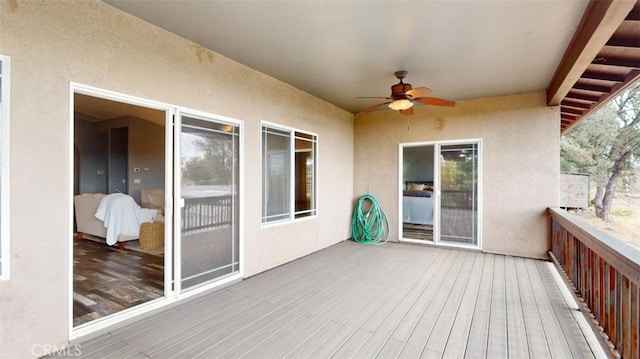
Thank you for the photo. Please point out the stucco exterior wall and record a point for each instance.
(520, 163)
(52, 44)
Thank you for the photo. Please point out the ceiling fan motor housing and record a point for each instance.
(398, 90)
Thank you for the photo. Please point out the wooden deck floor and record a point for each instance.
(353, 300)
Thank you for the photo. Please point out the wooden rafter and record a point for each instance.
(600, 21)
(602, 60)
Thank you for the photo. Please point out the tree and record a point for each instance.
(214, 163)
(606, 145)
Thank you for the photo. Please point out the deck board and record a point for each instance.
(414, 345)
(516, 329)
(497, 346)
(479, 333)
(443, 325)
(552, 329)
(381, 333)
(574, 337)
(459, 334)
(359, 301)
(536, 340)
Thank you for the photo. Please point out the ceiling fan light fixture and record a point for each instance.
(401, 105)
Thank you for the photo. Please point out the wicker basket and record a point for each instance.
(152, 235)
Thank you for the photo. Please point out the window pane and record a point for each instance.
(209, 171)
(459, 193)
(276, 180)
(305, 175)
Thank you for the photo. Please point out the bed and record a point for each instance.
(417, 203)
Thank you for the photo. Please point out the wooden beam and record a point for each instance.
(616, 61)
(571, 110)
(599, 22)
(575, 104)
(595, 75)
(580, 96)
(624, 42)
(594, 88)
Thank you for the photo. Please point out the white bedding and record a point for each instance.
(417, 210)
(122, 216)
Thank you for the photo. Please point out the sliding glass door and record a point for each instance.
(209, 190)
(439, 198)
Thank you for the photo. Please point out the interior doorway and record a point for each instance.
(120, 154)
(440, 193)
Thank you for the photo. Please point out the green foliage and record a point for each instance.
(455, 173)
(611, 134)
(606, 146)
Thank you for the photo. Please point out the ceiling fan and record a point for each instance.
(403, 97)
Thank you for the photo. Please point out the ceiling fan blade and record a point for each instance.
(418, 92)
(386, 98)
(374, 107)
(407, 112)
(434, 101)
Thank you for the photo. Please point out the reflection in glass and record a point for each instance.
(209, 187)
(459, 193)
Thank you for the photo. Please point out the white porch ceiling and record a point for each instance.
(339, 50)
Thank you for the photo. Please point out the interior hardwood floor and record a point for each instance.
(107, 280)
(417, 231)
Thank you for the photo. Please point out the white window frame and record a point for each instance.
(5, 82)
(313, 212)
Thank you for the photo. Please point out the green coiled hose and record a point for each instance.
(371, 226)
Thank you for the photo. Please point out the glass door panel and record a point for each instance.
(418, 199)
(209, 167)
(459, 193)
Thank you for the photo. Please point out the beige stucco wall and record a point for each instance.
(520, 163)
(54, 43)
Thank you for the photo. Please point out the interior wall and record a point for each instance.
(92, 149)
(146, 155)
(145, 152)
(418, 163)
(52, 44)
(519, 158)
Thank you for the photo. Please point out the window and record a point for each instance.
(288, 174)
(4, 166)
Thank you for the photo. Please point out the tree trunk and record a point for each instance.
(598, 200)
(606, 199)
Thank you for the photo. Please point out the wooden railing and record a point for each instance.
(605, 274)
(457, 199)
(206, 212)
